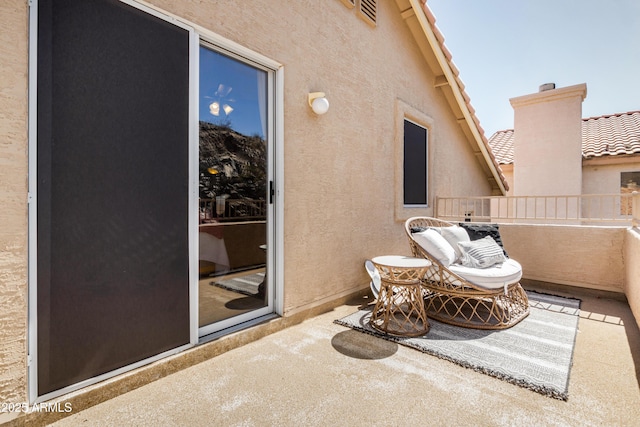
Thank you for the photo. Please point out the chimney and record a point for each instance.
(548, 141)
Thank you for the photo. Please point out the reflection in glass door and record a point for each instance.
(233, 203)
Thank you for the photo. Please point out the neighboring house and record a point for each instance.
(606, 148)
(106, 107)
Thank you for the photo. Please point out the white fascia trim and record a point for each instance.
(444, 64)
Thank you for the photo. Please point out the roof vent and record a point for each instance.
(367, 9)
(546, 86)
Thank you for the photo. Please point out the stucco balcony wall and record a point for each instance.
(632, 270)
(601, 258)
(585, 256)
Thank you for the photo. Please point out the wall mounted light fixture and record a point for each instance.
(318, 103)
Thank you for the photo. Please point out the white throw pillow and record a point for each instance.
(454, 235)
(437, 246)
(481, 253)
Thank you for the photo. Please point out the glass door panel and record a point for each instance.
(233, 204)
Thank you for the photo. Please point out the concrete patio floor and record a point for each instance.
(317, 373)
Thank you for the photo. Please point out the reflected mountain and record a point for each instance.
(231, 163)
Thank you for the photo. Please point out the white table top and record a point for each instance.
(401, 261)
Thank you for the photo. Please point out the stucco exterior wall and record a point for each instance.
(339, 188)
(605, 178)
(584, 256)
(339, 167)
(13, 196)
(632, 270)
(507, 170)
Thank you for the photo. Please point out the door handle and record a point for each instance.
(272, 192)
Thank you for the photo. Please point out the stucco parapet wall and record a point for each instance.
(550, 95)
(575, 255)
(635, 209)
(632, 270)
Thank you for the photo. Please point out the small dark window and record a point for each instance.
(415, 164)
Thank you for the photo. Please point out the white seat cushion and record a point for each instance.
(376, 280)
(495, 277)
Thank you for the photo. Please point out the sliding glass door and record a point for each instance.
(112, 243)
(234, 189)
(151, 164)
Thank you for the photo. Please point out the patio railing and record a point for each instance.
(224, 209)
(589, 209)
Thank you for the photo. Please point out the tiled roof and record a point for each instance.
(608, 135)
(502, 145)
(611, 135)
(456, 72)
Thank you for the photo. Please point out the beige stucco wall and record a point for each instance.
(507, 170)
(13, 197)
(339, 167)
(632, 270)
(604, 178)
(590, 257)
(340, 179)
(548, 142)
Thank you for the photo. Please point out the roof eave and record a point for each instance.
(608, 159)
(452, 82)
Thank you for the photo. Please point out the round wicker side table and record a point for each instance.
(399, 309)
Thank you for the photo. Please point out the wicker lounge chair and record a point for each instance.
(497, 303)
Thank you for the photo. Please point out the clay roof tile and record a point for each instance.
(607, 135)
(611, 135)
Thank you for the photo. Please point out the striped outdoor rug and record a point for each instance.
(247, 284)
(536, 353)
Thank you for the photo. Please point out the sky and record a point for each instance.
(508, 48)
(226, 83)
